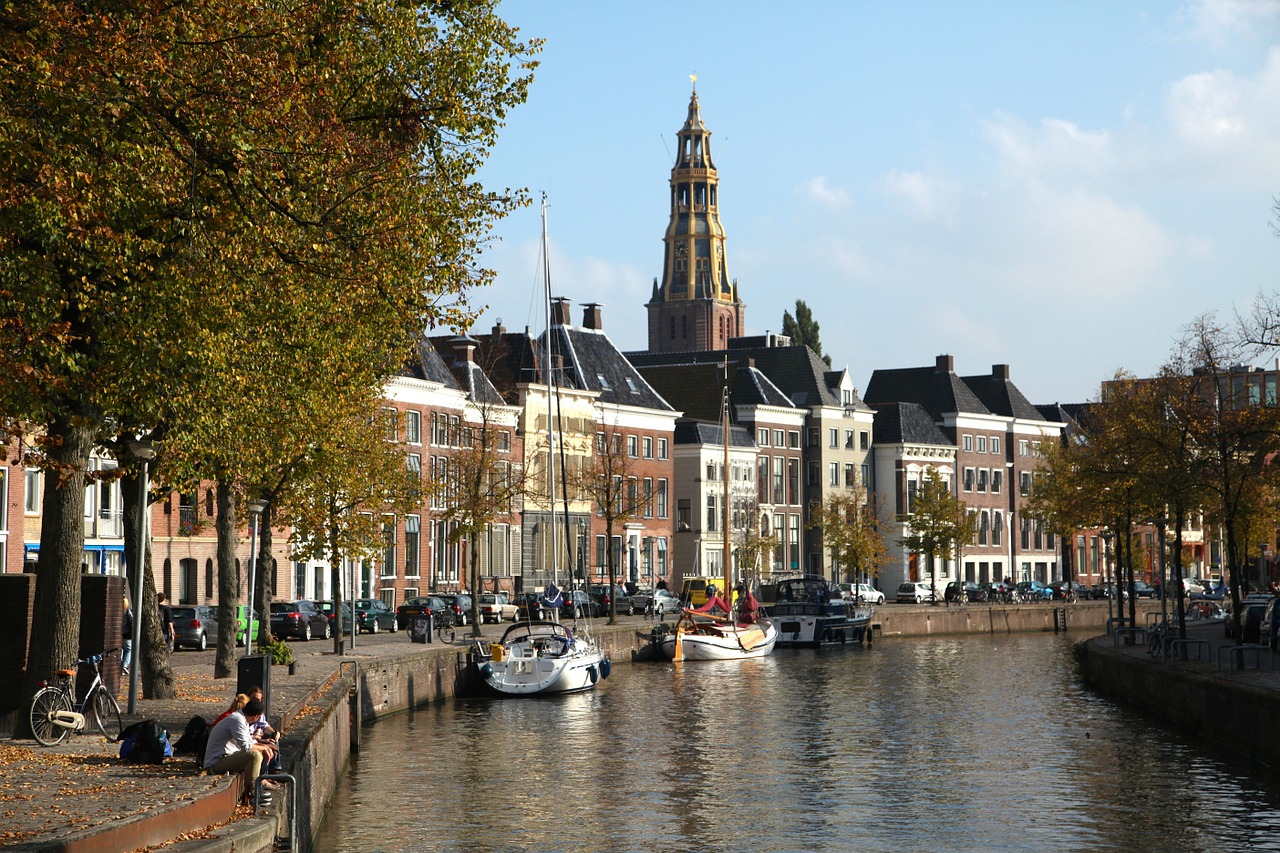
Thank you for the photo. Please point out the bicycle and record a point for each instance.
(444, 627)
(54, 711)
(1159, 639)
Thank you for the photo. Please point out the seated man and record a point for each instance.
(231, 746)
(265, 738)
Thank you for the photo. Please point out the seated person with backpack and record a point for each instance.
(231, 746)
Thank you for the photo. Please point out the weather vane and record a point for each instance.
(693, 78)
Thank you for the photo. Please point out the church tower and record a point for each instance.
(696, 307)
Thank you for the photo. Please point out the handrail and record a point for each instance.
(293, 800)
(1255, 648)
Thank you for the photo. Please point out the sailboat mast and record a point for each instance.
(725, 475)
(546, 370)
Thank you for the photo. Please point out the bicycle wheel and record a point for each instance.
(106, 713)
(445, 632)
(44, 705)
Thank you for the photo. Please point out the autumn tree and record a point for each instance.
(803, 329)
(753, 541)
(852, 532)
(483, 484)
(939, 524)
(165, 167)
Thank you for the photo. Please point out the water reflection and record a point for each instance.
(942, 744)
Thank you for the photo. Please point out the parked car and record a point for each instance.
(376, 615)
(972, 592)
(915, 592)
(1251, 621)
(999, 591)
(242, 614)
(863, 592)
(529, 606)
(461, 604)
(603, 596)
(578, 604)
(1063, 590)
(640, 596)
(495, 607)
(1035, 590)
(302, 619)
(418, 608)
(664, 602)
(1248, 601)
(327, 607)
(1267, 628)
(194, 627)
(1142, 589)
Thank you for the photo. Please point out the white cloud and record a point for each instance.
(1055, 148)
(1218, 21)
(819, 190)
(921, 193)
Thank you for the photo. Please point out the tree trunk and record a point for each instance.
(228, 582)
(265, 591)
(335, 578)
(55, 637)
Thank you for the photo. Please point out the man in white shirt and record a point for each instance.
(231, 745)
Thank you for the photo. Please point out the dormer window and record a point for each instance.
(604, 383)
(632, 385)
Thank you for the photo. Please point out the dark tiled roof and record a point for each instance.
(751, 387)
(689, 431)
(427, 364)
(906, 423)
(795, 370)
(936, 388)
(998, 393)
(694, 389)
(593, 363)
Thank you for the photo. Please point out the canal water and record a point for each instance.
(948, 744)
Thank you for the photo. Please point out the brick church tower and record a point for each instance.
(696, 308)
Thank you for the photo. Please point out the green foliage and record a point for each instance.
(803, 329)
(939, 522)
(281, 653)
(853, 532)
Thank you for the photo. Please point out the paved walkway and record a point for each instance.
(51, 797)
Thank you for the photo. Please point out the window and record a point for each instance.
(982, 479)
(300, 579)
(648, 447)
(712, 515)
(997, 480)
(390, 424)
(997, 526)
(600, 554)
(834, 437)
(793, 439)
(413, 427)
(778, 440)
(662, 498)
(850, 475)
(633, 446)
(778, 473)
(864, 439)
(188, 580)
(1024, 448)
(982, 444)
(968, 479)
(412, 525)
(662, 448)
(793, 543)
(866, 476)
(912, 486)
(662, 556)
(388, 546)
(4, 507)
(814, 477)
(604, 383)
(814, 436)
(793, 481)
(1024, 484)
(32, 501)
(833, 473)
(995, 444)
(984, 527)
(967, 443)
(848, 440)
(413, 464)
(762, 437)
(762, 479)
(684, 513)
(1026, 533)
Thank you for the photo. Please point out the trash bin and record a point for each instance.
(420, 629)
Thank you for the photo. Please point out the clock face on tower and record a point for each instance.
(682, 250)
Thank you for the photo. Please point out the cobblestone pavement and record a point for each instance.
(49, 794)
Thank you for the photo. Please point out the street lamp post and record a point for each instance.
(255, 512)
(144, 453)
(1164, 583)
(1106, 569)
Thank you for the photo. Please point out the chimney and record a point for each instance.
(499, 329)
(946, 364)
(1000, 371)
(560, 312)
(591, 316)
(465, 348)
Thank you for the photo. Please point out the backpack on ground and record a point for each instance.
(194, 737)
(145, 743)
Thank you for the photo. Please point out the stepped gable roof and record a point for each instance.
(689, 431)
(998, 393)
(936, 388)
(796, 371)
(593, 363)
(906, 423)
(426, 363)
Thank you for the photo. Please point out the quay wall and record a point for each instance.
(1231, 708)
(925, 621)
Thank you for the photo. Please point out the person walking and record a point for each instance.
(166, 620)
(126, 657)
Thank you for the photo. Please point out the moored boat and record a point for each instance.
(808, 611)
(700, 636)
(543, 657)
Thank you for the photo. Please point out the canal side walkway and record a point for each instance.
(1208, 694)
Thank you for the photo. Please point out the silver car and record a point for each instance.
(194, 627)
(664, 602)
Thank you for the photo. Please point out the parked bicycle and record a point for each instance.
(55, 712)
(445, 622)
(1159, 640)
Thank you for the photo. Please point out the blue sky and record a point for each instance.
(1061, 187)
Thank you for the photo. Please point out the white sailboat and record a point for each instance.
(543, 656)
(706, 636)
